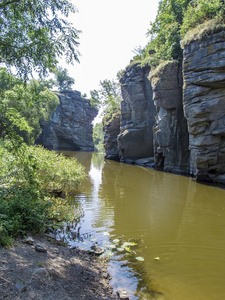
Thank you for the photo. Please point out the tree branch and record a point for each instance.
(3, 5)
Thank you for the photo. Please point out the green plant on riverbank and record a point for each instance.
(29, 179)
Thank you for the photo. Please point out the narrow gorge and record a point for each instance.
(173, 118)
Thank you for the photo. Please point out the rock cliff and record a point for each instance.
(70, 126)
(111, 131)
(204, 105)
(135, 140)
(170, 132)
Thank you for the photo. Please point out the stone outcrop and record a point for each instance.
(204, 105)
(70, 126)
(170, 132)
(111, 131)
(135, 140)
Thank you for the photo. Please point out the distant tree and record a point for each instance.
(98, 136)
(108, 97)
(63, 80)
(34, 34)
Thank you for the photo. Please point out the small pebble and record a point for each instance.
(40, 248)
(28, 241)
(20, 287)
(123, 295)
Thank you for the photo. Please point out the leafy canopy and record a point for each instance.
(22, 106)
(174, 19)
(34, 34)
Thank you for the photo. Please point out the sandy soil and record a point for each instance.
(59, 274)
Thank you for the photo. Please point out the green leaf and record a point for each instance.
(120, 249)
(116, 241)
(139, 258)
(129, 244)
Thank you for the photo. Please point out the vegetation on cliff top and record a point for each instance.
(176, 20)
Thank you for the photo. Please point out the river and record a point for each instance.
(177, 224)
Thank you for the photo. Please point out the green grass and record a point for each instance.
(199, 32)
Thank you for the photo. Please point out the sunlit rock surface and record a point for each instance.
(204, 105)
(70, 126)
(170, 132)
(137, 115)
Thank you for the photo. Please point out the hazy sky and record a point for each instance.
(111, 30)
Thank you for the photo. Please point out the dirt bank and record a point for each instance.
(60, 273)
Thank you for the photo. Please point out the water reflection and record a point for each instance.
(172, 217)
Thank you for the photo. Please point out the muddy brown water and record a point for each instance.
(178, 225)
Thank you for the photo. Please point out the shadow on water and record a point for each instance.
(178, 225)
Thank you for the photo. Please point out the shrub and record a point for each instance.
(28, 178)
(200, 11)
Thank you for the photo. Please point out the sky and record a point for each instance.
(111, 30)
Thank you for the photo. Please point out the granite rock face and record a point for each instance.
(111, 131)
(70, 126)
(170, 132)
(204, 105)
(135, 140)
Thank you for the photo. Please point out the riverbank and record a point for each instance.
(60, 273)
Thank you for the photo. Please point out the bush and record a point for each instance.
(28, 179)
(200, 11)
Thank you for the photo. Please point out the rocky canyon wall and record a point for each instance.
(135, 140)
(170, 131)
(177, 115)
(111, 130)
(204, 105)
(70, 126)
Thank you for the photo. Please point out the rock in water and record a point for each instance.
(97, 250)
(123, 295)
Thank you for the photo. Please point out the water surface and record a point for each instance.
(172, 218)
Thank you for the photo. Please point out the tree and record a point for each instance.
(108, 97)
(165, 30)
(34, 34)
(63, 80)
(21, 107)
(98, 136)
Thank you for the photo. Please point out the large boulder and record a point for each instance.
(170, 132)
(137, 114)
(70, 126)
(111, 131)
(204, 105)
